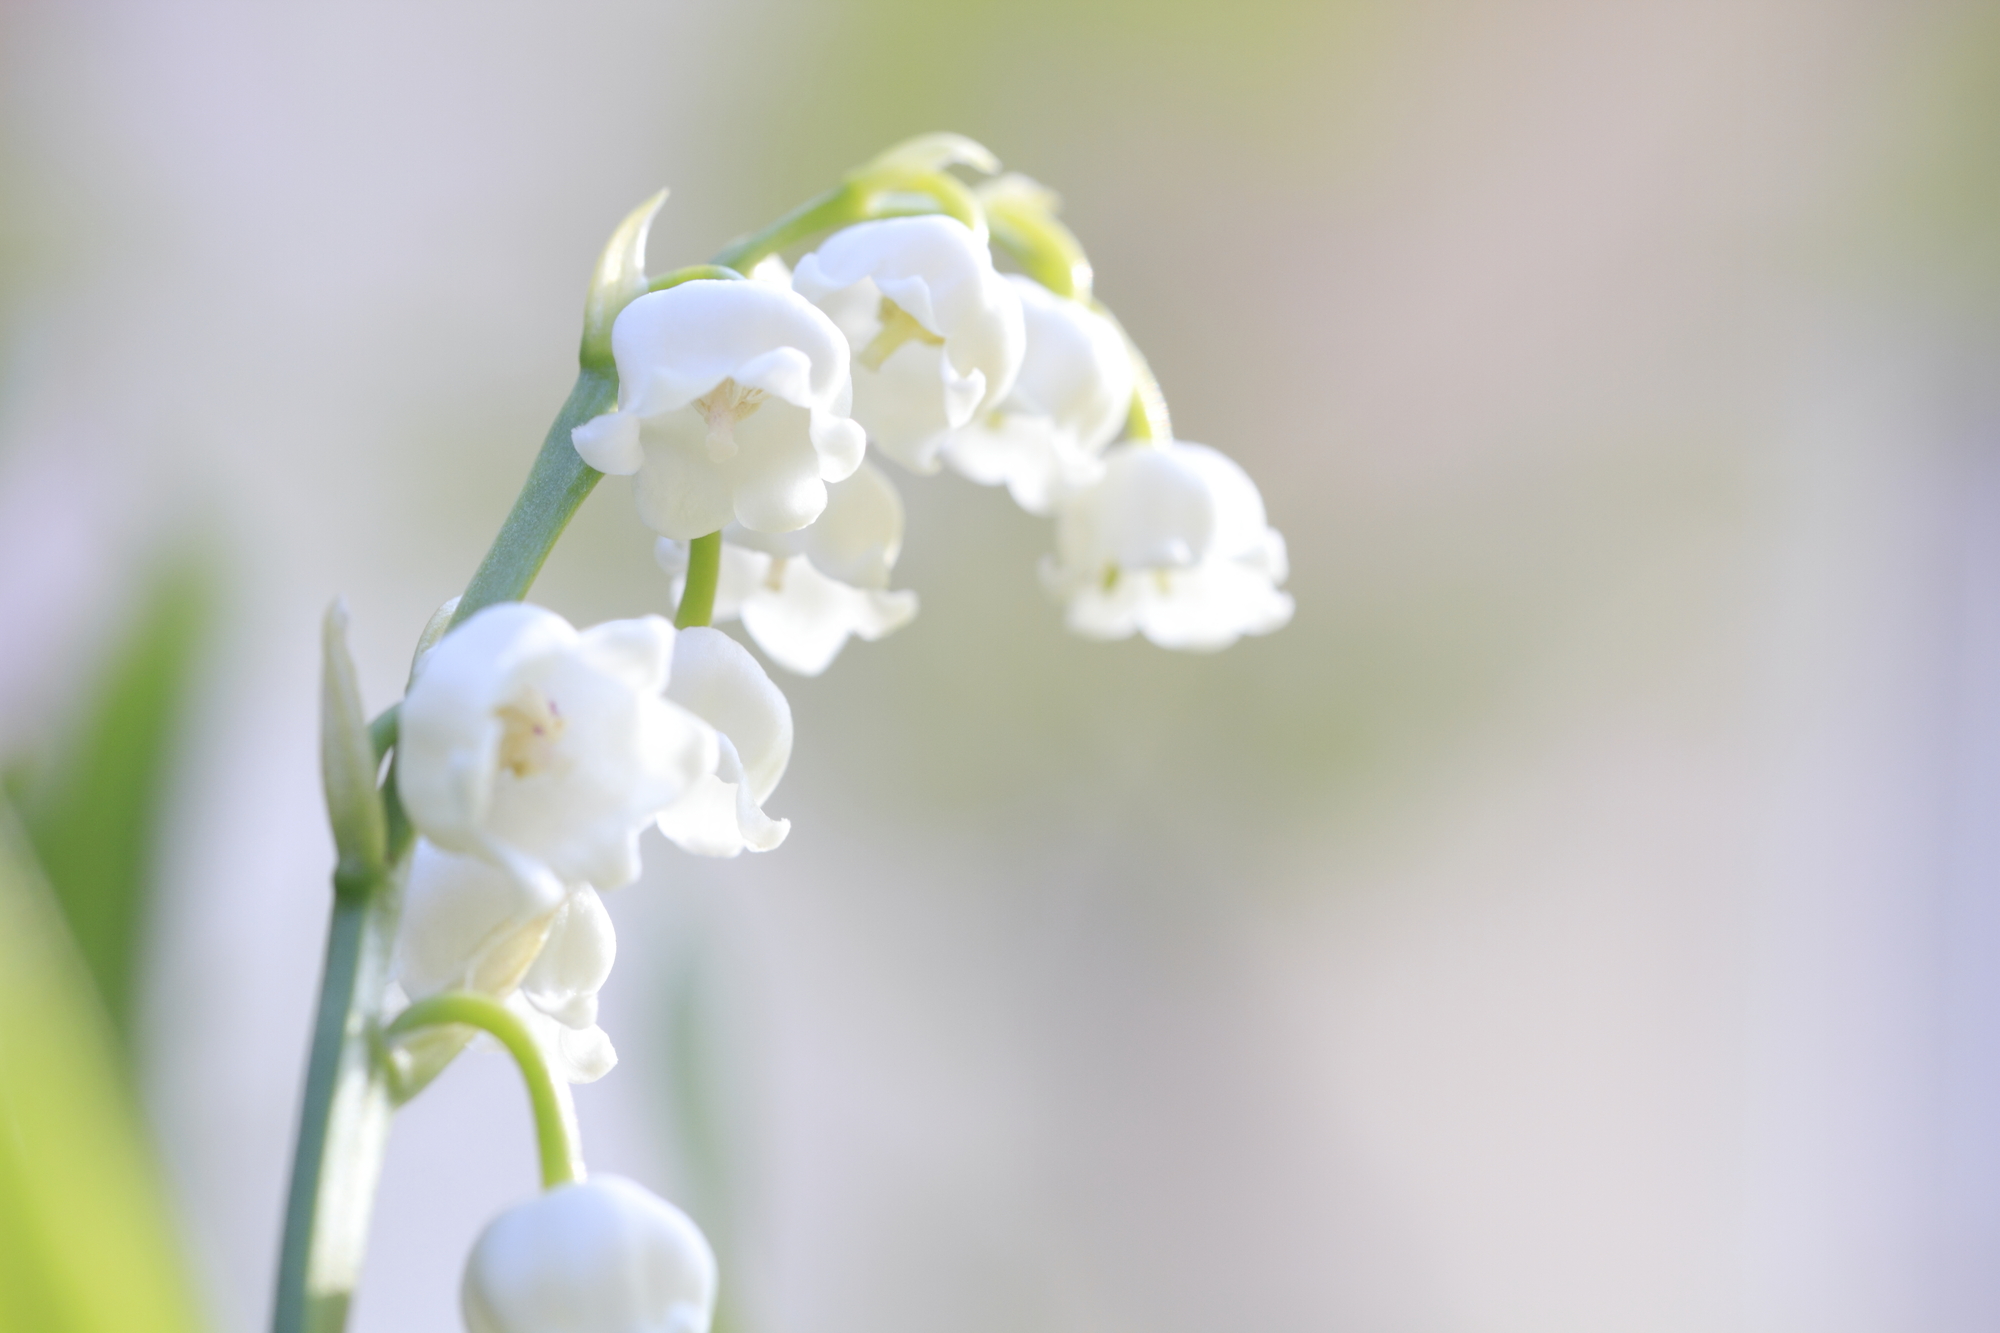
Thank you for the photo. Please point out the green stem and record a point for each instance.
(554, 1136)
(836, 208)
(693, 273)
(556, 485)
(1147, 418)
(345, 1120)
(872, 193)
(698, 593)
(344, 1124)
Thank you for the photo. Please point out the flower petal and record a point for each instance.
(574, 962)
(676, 345)
(717, 680)
(610, 443)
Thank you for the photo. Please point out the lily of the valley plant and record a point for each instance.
(479, 821)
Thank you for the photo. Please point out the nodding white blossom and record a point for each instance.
(545, 751)
(602, 1255)
(803, 594)
(717, 680)
(1071, 398)
(466, 925)
(936, 331)
(733, 406)
(1172, 543)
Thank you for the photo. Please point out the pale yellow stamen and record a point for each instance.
(899, 326)
(725, 405)
(775, 579)
(531, 726)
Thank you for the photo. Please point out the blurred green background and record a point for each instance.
(1582, 917)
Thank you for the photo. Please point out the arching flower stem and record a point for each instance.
(869, 194)
(347, 1104)
(704, 567)
(555, 1135)
(557, 484)
(344, 1124)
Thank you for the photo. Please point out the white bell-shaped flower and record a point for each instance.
(1069, 402)
(733, 406)
(546, 751)
(1172, 543)
(802, 595)
(936, 331)
(602, 1255)
(717, 680)
(467, 925)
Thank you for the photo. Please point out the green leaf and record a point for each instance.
(93, 817)
(85, 1241)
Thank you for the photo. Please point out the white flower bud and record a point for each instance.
(598, 1256)
(936, 331)
(1172, 544)
(802, 595)
(733, 404)
(545, 751)
(717, 680)
(1071, 399)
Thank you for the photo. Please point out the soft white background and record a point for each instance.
(1582, 918)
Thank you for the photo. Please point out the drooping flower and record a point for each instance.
(803, 594)
(1172, 543)
(936, 332)
(1069, 402)
(717, 680)
(466, 925)
(603, 1255)
(733, 406)
(545, 751)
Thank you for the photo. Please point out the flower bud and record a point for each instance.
(599, 1256)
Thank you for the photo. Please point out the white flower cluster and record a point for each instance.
(743, 407)
(531, 757)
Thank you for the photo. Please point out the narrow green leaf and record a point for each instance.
(93, 816)
(85, 1240)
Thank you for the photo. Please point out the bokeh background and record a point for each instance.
(1585, 916)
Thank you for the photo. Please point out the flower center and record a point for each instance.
(899, 326)
(725, 405)
(775, 578)
(531, 727)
